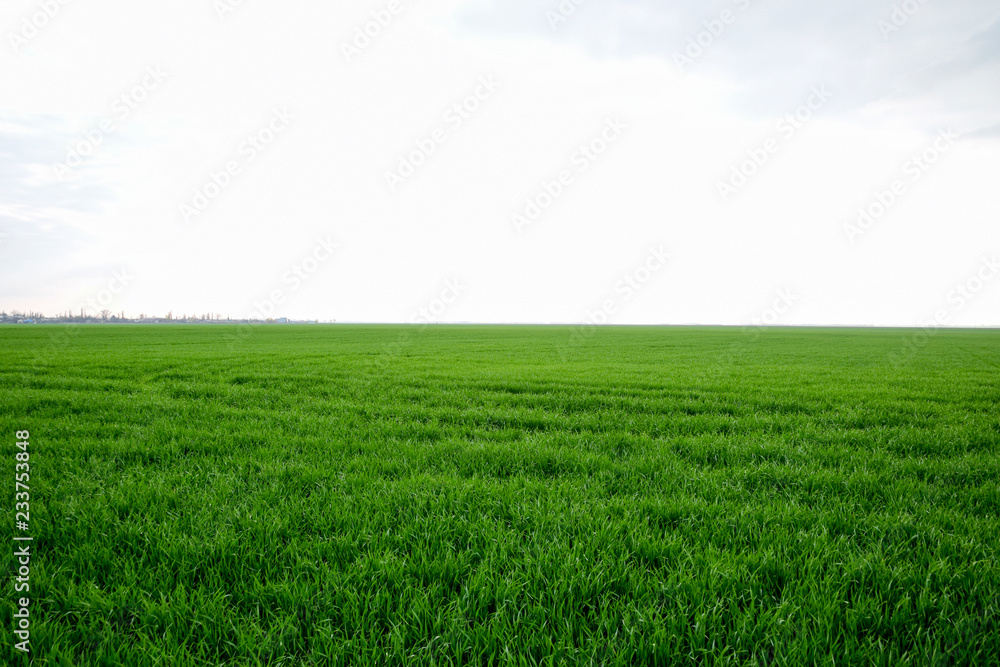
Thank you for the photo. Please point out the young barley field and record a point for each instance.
(470, 495)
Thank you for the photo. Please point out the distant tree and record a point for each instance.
(105, 314)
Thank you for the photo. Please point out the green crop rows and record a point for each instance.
(204, 495)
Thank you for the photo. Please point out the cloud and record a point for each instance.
(30, 145)
(991, 132)
(42, 219)
(937, 63)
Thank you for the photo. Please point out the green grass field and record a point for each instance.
(203, 495)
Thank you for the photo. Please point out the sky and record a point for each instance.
(578, 161)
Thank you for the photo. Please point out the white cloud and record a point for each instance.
(657, 186)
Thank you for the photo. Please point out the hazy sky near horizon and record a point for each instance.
(632, 162)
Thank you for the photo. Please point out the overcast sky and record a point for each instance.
(631, 162)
